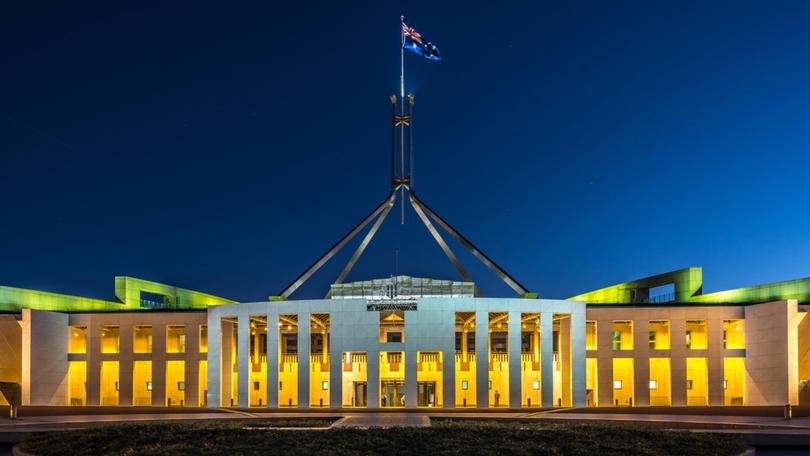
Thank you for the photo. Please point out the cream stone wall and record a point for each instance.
(44, 358)
(127, 322)
(772, 353)
(677, 315)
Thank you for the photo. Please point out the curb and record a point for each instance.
(17, 451)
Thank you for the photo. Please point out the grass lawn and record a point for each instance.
(256, 436)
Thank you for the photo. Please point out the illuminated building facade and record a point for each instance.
(409, 342)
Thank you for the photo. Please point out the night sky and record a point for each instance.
(223, 147)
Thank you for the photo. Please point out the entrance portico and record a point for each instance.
(357, 350)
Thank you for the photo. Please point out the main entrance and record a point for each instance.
(393, 393)
(426, 394)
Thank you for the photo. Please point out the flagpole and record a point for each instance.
(401, 59)
(402, 109)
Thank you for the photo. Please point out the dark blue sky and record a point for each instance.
(224, 147)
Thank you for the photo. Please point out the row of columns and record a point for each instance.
(158, 358)
(219, 354)
(677, 354)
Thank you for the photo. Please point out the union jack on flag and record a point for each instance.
(413, 40)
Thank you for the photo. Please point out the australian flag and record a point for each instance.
(414, 41)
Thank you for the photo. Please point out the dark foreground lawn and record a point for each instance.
(444, 437)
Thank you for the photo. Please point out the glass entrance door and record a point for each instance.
(426, 394)
(359, 394)
(393, 393)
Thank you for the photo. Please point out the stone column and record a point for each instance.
(449, 375)
(125, 359)
(578, 369)
(482, 359)
(335, 376)
(410, 363)
(373, 379)
(191, 366)
(226, 377)
(515, 380)
(715, 361)
(604, 362)
(677, 362)
(214, 353)
(565, 360)
(93, 363)
(303, 359)
(158, 365)
(641, 361)
(272, 359)
(243, 360)
(547, 357)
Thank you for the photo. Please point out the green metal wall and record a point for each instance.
(127, 291)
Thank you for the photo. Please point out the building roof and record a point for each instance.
(688, 288)
(402, 287)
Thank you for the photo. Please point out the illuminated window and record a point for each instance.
(623, 382)
(78, 339)
(142, 342)
(464, 384)
(659, 335)
(110, 339)
(733, 334)
(77, 383)
(536, 384)
(142, 383)
(590, 335)
(653, 384)
(392, 327)
(325, 385)
(203, 338)
(622, 334)
(697, 381)
(734, 381)
(696, 336)
(175, 339)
